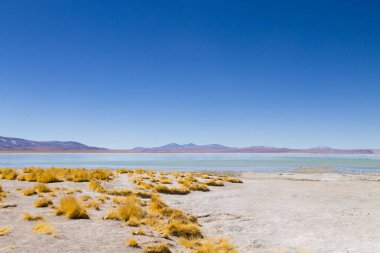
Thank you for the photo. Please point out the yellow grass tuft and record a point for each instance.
(157, 248)
(165, 180)
(85, 198)
(138, 232)
(131, 208)
(44, 228)
(173, 190)
(198, 187)
(4, 230)
(29, 217)
(28, 191)
(93, 204)
(221, 245)
(112, 215)
(121, 171)
(3, 194)
(183, 229)
(133, 243)
(47, 177)
(232, 180)
(157, 205)
(41, 188)
(70, 207)
(189, 243)
(143, 194)
(213, 182)
(9, 174)
(133, 221)
(44, 202)
(61, 174)
(97, 187)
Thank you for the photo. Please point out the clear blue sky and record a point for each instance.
(120, 74)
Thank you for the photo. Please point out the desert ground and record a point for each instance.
(292, 212)
(319, 212)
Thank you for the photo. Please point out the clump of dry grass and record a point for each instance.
(62, 174)
(70, 207)
(180, 228)
(44, 228)
(47, 177)
(28, 191)
(123, 171)
(112, 215)
(44, 202)
(3, 194)
(157, 205)
(213, 182)
(4, 230)
(133, 243)
(29, 217)
(165, 180)
(197, 187)
(9, 174)
(133, 221)
(143, 194)
(85, 198)
(41, 188)
(138, 232)
(130, 210)
(189, 243)
(97, 187)
(211, 245)
(93, 204)
(173, 190)
(157, 248)
(232, 180)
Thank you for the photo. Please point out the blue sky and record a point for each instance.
(120, 74)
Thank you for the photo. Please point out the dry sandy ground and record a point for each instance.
(317, 212)
(321, 212)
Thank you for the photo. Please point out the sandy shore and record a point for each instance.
(320, 212)
(317, 212)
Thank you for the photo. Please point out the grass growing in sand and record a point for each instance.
(141, 206)
(3, 194)
(44, 202)
(44, 228)
(9, 174)
(70, 207)
(157, 248)
(29, 217)
(138, 232)
(4, 230)
(173, 190)
(184, 229)
(130, 210)
(133, 243)
(53, 175)
(221, 245)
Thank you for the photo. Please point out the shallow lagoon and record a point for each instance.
(222, 162)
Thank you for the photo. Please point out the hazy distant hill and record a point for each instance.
(7, 143)
(174, 147)
(216, 148)
(10, 144)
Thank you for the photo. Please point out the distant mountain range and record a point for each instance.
(10, 144)
(216, 148)
(16, 144)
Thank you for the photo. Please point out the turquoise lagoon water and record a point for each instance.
(222, 162)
